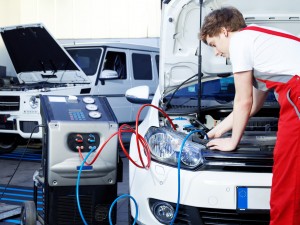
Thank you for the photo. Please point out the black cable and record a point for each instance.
(20, 160)
(205, 128)
(176, 89)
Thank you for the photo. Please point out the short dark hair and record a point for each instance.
(227, 17)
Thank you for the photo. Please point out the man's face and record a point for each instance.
(220, 44)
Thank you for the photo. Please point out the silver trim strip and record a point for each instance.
(292, 103)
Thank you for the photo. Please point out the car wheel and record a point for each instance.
(28, 214)
(8, 143)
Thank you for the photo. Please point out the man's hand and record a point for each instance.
(222, 144)
(214, 134)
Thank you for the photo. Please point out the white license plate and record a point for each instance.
(253, 198)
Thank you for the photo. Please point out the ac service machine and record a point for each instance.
(75, 128)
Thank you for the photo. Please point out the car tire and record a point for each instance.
(8, 143)
(28, 213)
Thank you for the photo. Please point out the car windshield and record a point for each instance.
(221, 90)
(86, 58)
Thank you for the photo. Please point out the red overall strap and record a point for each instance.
(276, 33)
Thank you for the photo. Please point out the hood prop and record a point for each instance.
(200, 65)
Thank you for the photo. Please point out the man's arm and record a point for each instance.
(243, 102)
(225, 125)
(259, 97)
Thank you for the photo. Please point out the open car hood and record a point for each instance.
(37, 57)
(180, 47)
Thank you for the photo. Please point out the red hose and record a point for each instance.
(125, 128)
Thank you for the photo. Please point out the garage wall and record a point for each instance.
(134, 21)
(73, 19)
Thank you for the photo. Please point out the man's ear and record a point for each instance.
(224, 31)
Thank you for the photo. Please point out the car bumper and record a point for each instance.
(201, 191)
(23, 126)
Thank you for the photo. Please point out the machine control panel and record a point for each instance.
(84, 141)
(76, 115)
(78, 108)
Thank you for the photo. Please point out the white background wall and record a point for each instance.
(86, 18)
(136, 21)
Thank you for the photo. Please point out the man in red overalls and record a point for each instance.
(262, 58)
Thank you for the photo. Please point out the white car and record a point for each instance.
(215, 187)
(43, 67)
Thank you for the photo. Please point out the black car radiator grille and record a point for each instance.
(262, 124)
(9, 103)
(232, 217)
(243, 161)
(253, 154)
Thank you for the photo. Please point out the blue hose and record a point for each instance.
(178, 166)
(126, 195)
(115, 201)
(77, 185)
(111, 207)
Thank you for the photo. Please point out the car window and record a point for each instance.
(141, 64)
(86, 58)
(116, 61)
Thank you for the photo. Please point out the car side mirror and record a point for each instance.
(138, 95)
(108, 75)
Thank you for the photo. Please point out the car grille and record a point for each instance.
(9, 103)
(253, 154)
(244, 161)
(232, 217)
(262, 124)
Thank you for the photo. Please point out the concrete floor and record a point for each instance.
(24, 174)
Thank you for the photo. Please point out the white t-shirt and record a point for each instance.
(270, 57)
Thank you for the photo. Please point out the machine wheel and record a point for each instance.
(28, 214)
(8, 143)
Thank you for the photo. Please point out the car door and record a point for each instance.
(144, 69)
(116, 60)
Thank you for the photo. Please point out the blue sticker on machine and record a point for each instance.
(85, 168)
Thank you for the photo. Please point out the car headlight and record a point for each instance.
(33, 102)
(165, 145)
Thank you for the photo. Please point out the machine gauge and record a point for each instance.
(95, 114)
(88, 100)
(91, 107)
